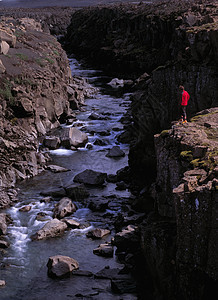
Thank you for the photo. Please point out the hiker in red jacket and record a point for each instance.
(183, 102)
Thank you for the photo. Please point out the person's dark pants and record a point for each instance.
(183, 113)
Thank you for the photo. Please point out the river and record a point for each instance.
(24, 265)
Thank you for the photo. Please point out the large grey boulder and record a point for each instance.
(61, 266)
(51, 229)
(3, 224)
(64, 208)
(73, 137)
(91, 177)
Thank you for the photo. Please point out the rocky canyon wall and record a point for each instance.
(169, 43)
(159, 47)
(37, 92)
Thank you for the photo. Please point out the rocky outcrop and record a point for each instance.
(52, 20)
(185, 195)
(37, 93)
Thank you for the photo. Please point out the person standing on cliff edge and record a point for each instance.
(183, 103)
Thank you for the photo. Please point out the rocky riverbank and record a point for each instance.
(37, 93)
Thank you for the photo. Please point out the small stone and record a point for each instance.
(2, 283)
(25, 208)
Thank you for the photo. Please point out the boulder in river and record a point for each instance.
(64, 208)
(51, 229)
(115, 151)
(61, 266)
(115, 82)
(56, 169)
(76, 192)
(97, 233)
(105, 250)
(25, 208)
(73, 137)
(3, 224)
(71, 223)
(91, 177)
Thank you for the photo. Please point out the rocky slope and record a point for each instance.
(37, 92)
(53, 20)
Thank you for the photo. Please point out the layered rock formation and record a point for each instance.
(37, 92)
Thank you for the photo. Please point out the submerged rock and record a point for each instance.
(55, 192)
(61, 266)
(76, 192)
(115, 151)
(56, 169)
(91, 177)
(98, 233)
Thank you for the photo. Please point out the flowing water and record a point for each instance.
(24, 265)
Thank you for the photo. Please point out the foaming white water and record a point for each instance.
(61, 152)
(80, 231)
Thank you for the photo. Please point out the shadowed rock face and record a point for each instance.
(175, 43)
(185, 191)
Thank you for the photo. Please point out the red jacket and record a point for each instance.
(185, 98)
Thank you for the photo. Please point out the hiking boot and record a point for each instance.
(185, 121)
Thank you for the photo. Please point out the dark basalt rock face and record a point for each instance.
(170, 43)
